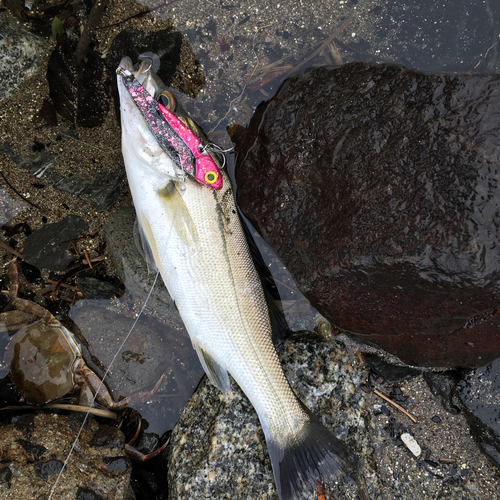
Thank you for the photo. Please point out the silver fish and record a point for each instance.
(193, 235)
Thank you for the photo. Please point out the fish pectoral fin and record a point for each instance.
(178, 213)
(148, 243)
(217, 375)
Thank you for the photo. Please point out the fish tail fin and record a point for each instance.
(310, 456)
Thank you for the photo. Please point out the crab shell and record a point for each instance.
(42, 361)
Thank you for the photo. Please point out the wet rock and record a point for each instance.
(25, 424)
(35, 476)
(86, 494)
(5, 478)
(117, 464)
(101, 189)
(377, 187)
(37, 163)
(19, 52)
(36, 450)
(93, 288)
(49, 247)
(479, 392)
(391, 373)
(31, 273)
(153, 349)
(107, 437)
(443, 386)
(9, 207)
(218, 446)
(131, 267)
(46, 469)
(80, 92)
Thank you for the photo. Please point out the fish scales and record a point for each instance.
(193, 235)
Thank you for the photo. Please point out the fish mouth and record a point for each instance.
(145, 72)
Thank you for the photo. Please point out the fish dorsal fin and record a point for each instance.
(217, 375)
(148, 243)
(178, 213)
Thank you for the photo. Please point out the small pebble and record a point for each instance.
(412, 445)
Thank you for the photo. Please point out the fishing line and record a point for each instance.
(99, 388)
(180, 177)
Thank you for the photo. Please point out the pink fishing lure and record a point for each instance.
(174, 137)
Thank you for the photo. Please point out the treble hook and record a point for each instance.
(216, 149)
(154, 60)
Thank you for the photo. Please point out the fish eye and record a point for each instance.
(210, 177)
(168, 100)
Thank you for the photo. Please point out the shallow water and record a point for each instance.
(245, 49)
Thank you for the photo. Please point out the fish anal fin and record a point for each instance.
(217, 375)
(311, 455)
(148, 243)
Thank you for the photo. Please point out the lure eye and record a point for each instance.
(210, 177)
(168, 100)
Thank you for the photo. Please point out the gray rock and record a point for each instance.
(19, 51)
(479, 392)
(218, 448)
(49, 246)
(101, 190)
(93, 288)
(9, 207)
(153, 349)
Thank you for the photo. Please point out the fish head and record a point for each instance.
(139, 146)
(175, 132)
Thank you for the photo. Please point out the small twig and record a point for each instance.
(360, 357)
(325, 44)
(136, 435)
(75, 249)
(271, 71)
(269, 67)
(11, 250)
(364, 54)
(86, 37)
(98, 258)
(400, 408)
(485, 56)
(18, 193)
(64, 285)
(238, 98)
(88, 260)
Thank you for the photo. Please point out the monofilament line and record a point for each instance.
(98, 390)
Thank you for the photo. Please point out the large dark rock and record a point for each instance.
(479, 392)
(378, 188)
